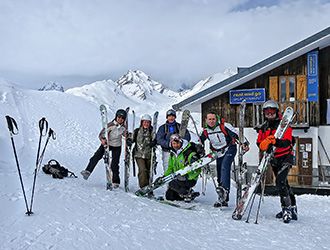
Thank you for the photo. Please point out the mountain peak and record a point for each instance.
(138, 84)
(52, 86)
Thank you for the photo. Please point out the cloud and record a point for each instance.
(173, 41)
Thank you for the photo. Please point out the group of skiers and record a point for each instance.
(178, 152)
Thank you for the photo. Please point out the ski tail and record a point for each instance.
(184, 123)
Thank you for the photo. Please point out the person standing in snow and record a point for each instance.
(222, 137)
(142, 137)
(164, 133)
(182, 153)
(116, 129)
(282, 160)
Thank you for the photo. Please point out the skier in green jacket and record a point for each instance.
(183, 153)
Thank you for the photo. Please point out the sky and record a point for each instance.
(74, 42)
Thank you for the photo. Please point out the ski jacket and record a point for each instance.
(219, 140)
(284, 145)
(183, 157)
(115, 133)
(142, 138)
(164, 133)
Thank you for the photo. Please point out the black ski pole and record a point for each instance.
(51, 134)
(12, 126)
(43, 126)
(263, 183)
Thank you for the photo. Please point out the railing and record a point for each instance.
(302, 119)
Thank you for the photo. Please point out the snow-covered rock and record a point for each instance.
(139, 85)
(52, 86)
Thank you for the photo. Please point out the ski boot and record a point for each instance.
(222, 197)
(85, 174)
(287, 215)
(115, 185)
(294, 213)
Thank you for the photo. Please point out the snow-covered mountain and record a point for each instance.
(139, 85)
(78, 214)
(52, 86)
(134, 89)
(208, 82)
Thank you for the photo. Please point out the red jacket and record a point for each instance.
(283, 145)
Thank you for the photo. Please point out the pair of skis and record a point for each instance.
(249, 191)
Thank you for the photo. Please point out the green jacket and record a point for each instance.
(182, 158)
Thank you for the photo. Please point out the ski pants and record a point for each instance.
(281, 167)
(176, 189)
(224, 167)
(144, 171)
(115, 156)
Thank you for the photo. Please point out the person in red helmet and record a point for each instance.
(116, 129)
(282, 160)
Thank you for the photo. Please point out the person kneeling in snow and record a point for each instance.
(182, 154)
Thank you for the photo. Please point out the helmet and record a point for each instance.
(270, 104)
(146, 117)
(270, 109)
(122, 113)
(176, 138)
(170, 112)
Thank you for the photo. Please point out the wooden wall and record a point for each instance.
(296, 67)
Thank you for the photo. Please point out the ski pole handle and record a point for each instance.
(12, 125)
(43, 126)
(52, 134)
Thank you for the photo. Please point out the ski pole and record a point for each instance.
(251, 205)
(51, 134)
(263, 183)
(43, 127)
(12, 126)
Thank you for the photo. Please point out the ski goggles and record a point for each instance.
(269, 111)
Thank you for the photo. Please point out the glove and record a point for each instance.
(264, 145)
(180, 177)
(200, 150)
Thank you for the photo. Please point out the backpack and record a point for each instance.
(222, 128)
(54, 168)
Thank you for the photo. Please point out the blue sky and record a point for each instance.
(75, 42)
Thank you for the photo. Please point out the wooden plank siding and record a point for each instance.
(295, 69)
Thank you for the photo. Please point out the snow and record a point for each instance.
(78, 214)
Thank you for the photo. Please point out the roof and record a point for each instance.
(318, 40)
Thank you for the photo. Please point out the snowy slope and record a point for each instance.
(79, 214)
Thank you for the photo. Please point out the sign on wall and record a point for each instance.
(312, 77)
(250, 96)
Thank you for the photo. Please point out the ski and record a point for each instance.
(106, 156)
(184, 123)
(262, 167)
(240, 170)
(133, 145)
(165, 179)
(127, 156)
(153, 163)
(177, 204)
